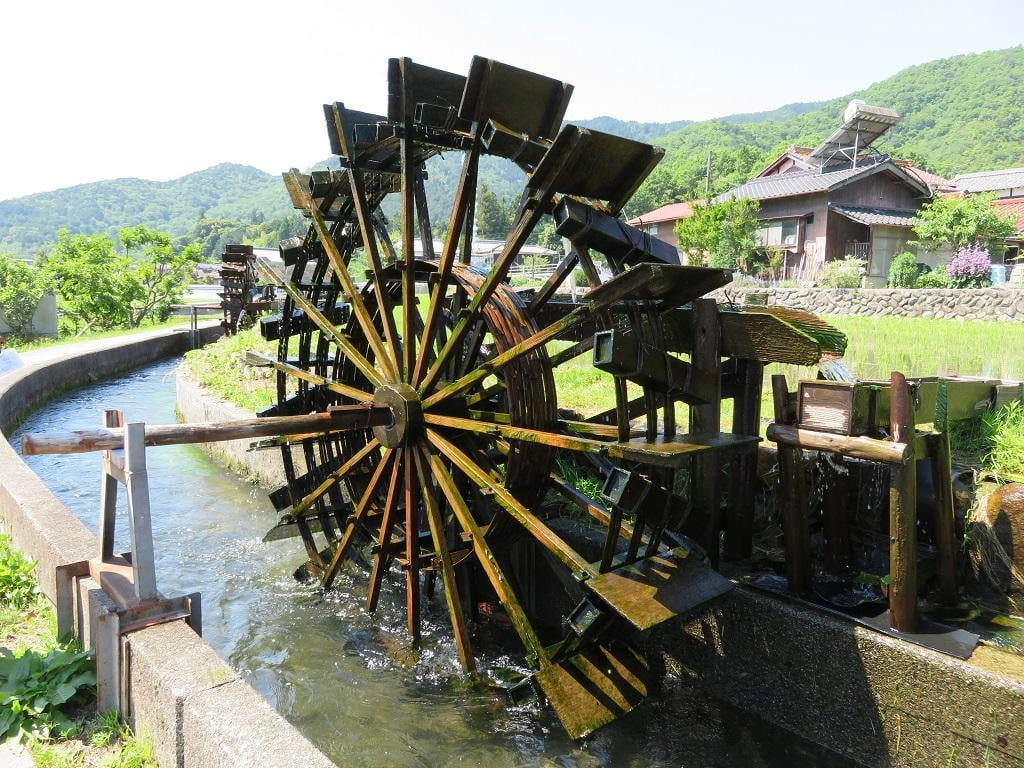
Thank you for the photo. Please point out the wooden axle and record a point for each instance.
(337, 419)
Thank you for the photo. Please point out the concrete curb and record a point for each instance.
(195, 709)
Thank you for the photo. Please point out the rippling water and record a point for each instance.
(347, 681)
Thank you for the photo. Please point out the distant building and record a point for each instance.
(661, 222)
(1008, 186)
(842, 198)
(485, 251)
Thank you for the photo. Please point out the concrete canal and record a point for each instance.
(347, 680)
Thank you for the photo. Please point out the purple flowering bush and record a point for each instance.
(971, 267)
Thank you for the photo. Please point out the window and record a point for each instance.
(782, 232)
(652, 229)
(789, 233)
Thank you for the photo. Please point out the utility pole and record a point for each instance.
(707, 179)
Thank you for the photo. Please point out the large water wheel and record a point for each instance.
(453, 484)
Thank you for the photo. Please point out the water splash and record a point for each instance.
(835, 369)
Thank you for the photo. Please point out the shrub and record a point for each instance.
(903, 271)
(17, 586)
(971, 267)
(35, 687)
(933, 279)
(21, 288)
(842, 274)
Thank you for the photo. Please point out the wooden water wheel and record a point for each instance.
(452, 488)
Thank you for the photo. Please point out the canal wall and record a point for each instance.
(966, 304)
(195, 709)
(876, 700)
(196, 403)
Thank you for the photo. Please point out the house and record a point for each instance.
(842, 198)
(1007, 185)
(661, 222)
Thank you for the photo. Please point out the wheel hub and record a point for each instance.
(406, 415)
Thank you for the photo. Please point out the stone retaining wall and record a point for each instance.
(977, 304)
(196, 710)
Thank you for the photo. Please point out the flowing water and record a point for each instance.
(347, 682)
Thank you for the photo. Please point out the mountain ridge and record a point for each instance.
(959, 115)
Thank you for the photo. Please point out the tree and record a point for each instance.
(21, 287)
(161, 274)
(493, 215)
(960, 221)
(93, 281)
(722, 234)
(546, 237)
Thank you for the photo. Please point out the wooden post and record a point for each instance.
(746, 421)
(944, 522)
(902, 513)
(108, 493)
(834, 510)
(140, 525)
(792, 501)
(706, 365)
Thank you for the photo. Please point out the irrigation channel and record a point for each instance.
(344, 679)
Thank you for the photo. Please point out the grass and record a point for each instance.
(28, 628)
(877, 346)
(147, 325)
(1003, 433)
(219, 367)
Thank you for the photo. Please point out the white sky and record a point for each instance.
(95, 90)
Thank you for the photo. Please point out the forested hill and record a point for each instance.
(225, 191)
(960, 114)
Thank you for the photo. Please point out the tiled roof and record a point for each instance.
(876, 216)
(670, 212)
(986, 181)
(933, 180)
(1013, 206)
(808, 182)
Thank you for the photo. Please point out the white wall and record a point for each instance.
(44, 321)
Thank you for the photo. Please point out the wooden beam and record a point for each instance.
(856, 447)
(338, 419)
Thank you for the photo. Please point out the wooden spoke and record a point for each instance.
(412, 547)
(407, 149)
(487, 560)
(332, 479)
(325, 325)
(663, 453)
(387, 309)
(599, 431)
(512, 353)
(548, 538)
(553, 283)
(315, 379)
(530, 212)
(354, 295)
(595, 510)
(387, 523)
(440, 539)
(464, 195)
(358, 515)
(571, 352)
